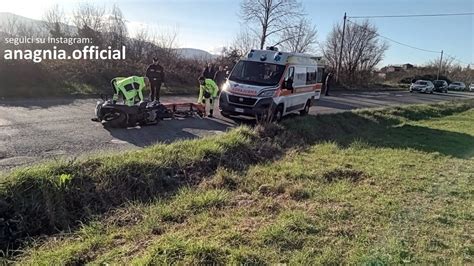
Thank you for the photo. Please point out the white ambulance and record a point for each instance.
(271, 80)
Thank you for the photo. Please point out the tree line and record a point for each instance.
(105, 27)
(281, 23)
(284, 23)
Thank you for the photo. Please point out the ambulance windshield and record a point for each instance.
(257, 73)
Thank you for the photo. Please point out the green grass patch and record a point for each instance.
(288, 231)
(75, 88)
(50, 197)
(384, 186)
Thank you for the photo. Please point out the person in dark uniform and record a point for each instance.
(220, 77)
(156, 75)
(208, 71)
(327, 83)
(213, 71)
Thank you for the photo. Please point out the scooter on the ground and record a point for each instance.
(134, 110)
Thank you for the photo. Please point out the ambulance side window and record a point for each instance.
(310, 75)
(288, 83)
(319, 75)
(291, 73)
(300, 76)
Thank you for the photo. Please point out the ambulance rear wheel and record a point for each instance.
(305, 111)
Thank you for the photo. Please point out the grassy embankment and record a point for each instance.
(50, 78)
(391, 185)
(75, 89)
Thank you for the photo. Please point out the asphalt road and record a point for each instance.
(36, 130)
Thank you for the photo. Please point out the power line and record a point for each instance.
(410, 46)
(415, 15)
(457, 60)
(392, 40)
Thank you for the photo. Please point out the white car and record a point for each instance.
(471, 87)
(457, 86)
(424, 86)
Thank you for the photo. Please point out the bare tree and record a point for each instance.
(229, 56)
(139, 46)
(28, 29)
(88, 15)
(166, 41)
(11, 25)
(244, 41)
(446, 65)
(55, 22)
(89, 20)
(362, 50)
(300, 39)
(115, 28)
(271, 17)
(167, 38)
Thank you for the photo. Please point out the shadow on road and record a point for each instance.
(39, 103)
(168, 131)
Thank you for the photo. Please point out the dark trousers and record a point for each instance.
(155, 87)
(327, 89)
(211, 103)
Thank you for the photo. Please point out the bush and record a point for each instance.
(431, 77)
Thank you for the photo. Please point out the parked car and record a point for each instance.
(457, 86)
(425, 86)
(440, 86)
(471, 87)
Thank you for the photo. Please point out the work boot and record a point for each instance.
(210, 114)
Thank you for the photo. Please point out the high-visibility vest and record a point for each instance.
(130, 88)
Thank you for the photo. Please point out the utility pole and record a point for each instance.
(470, 74)
(338, 70)
(440, 64)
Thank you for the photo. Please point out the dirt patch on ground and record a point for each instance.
(345, 173)
(124, 217)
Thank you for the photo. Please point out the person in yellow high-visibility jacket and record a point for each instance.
(208, 90)
(130, 88)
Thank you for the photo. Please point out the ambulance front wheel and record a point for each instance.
(278, 115)
(225, 114)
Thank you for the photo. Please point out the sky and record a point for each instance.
(212, 24)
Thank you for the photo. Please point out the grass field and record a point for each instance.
(389, 185)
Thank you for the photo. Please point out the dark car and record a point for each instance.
(440, 86)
